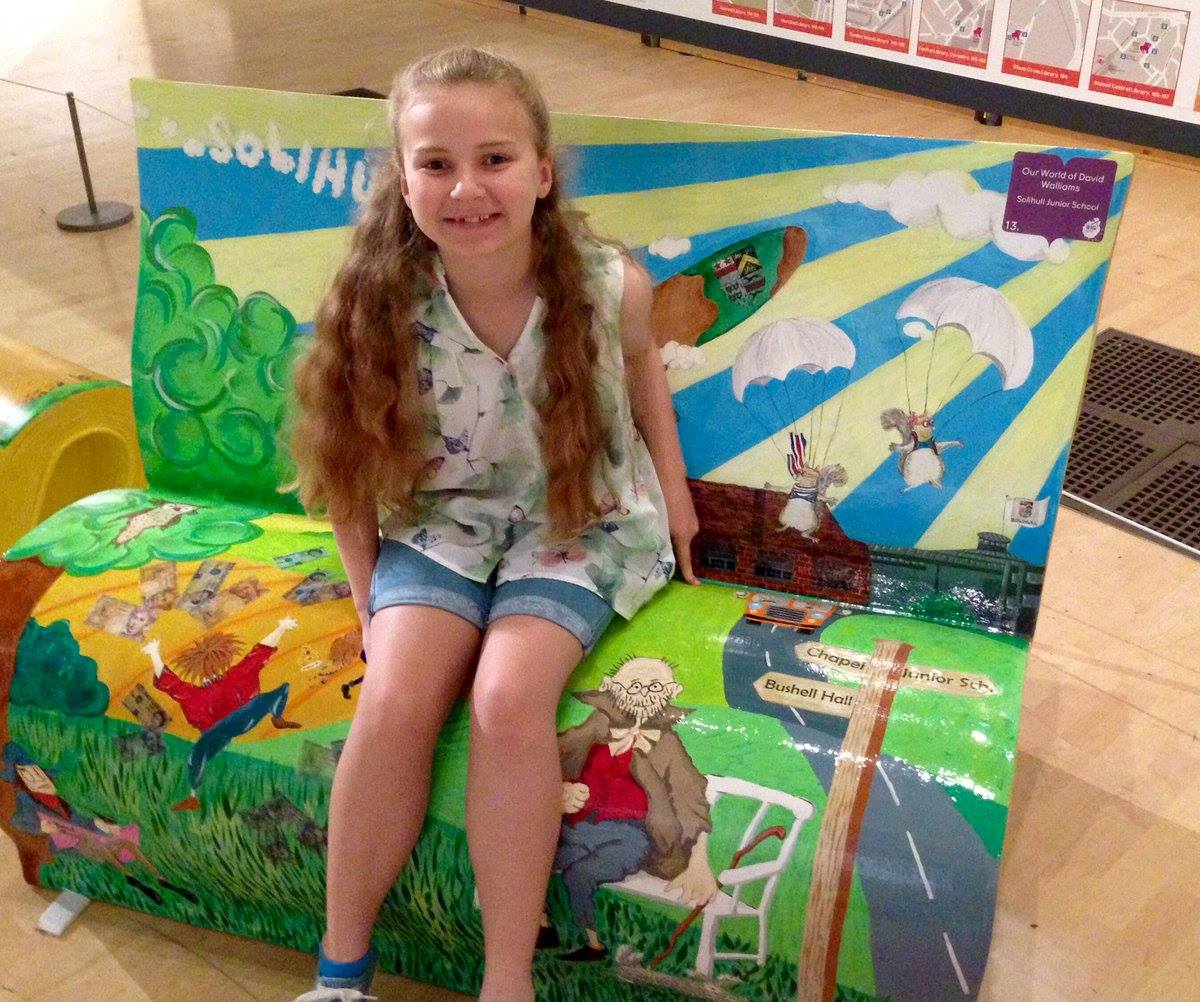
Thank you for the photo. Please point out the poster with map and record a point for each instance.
(885, 24)
(1138, 51)
(813, 17)
(956, 31)
(746, 10)
(1135, 59)
(1045, 39)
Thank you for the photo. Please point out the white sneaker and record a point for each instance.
(335, 995)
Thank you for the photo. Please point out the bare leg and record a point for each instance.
(419, 659)
(514, 791)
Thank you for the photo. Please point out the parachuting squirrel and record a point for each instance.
(919, 452)
(802, 511)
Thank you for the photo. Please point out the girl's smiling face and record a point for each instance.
(472, 173)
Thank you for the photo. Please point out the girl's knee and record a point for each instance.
(523, 667)
(510, 710)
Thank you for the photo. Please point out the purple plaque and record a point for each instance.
(1049, 199)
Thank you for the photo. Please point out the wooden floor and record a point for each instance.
(1100, 882)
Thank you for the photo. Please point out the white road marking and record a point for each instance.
(962, 982)
(767, 655)
(797, 713)
(772, 627)
(920, 867)
(891, 789)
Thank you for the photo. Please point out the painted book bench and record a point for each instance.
(876, 348)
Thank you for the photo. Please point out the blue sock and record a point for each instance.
(327, 968)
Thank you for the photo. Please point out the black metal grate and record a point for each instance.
(1169, 503)
(1136, 451)
(1102, 453)
(1146, 380)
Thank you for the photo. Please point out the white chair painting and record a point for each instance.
(727, 902)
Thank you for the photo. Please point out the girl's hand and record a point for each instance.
(683, 523)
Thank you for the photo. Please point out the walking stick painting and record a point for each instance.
(776, 831)
(629, 962)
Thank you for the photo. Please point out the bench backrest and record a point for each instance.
(875, 359)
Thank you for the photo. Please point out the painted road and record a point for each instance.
(928, 879)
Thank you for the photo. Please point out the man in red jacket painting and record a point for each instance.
(632, 797)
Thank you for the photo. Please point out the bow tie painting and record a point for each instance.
(621, 739)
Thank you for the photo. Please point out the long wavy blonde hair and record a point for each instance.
(360, 439)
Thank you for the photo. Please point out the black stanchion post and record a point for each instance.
(93, 216)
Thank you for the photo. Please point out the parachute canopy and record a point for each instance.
(997, 331)
(779, 348)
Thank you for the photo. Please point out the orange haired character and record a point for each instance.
(220, 699)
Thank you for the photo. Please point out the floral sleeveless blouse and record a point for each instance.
(481, 505)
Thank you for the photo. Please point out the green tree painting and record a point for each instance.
(211, 375)
(52, 674)
(123, 529)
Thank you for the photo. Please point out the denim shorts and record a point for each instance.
(404, 576)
